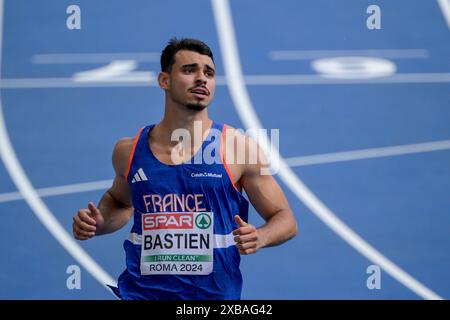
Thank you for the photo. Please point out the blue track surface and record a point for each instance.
(63, 132)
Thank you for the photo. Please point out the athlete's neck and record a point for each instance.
(189, 120)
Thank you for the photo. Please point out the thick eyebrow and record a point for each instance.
(195, 65)
(210, 68)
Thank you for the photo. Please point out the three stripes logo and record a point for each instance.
(139, 176)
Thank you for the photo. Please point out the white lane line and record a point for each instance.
(60, 190)
(317, 54)
(37, 83)
(39, 208)
(249, 80)
(63, 58)
(315, 159)
(368, 153)
(247, 114)
(315, 79)
(445, 8)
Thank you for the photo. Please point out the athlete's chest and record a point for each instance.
(175, 155)
(181, 187)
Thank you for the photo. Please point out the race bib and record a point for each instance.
(177, 243)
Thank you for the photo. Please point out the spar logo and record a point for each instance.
(203, 221)
(175, 220)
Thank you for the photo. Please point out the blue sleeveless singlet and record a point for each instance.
(181, 244)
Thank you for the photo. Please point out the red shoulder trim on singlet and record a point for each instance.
(130, 159)
(223, 157)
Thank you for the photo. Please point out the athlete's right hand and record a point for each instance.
(86, 221)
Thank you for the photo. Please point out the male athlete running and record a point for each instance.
(189, 216)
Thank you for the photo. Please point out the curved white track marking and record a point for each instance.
(243, 105)
(445, 8)
(39, 208)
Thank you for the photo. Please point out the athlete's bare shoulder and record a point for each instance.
(121, 154)
(234, 136)
(248, 157)
(239, 154)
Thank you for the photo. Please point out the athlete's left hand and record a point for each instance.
(246, 237)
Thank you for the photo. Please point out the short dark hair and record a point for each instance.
(175, 45)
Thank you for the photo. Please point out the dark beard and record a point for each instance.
(196, 106)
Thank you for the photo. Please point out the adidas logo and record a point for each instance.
(139, 176)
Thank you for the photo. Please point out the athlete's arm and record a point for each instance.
(115, 207)
(270, 202)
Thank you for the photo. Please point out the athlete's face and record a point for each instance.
(191, 81)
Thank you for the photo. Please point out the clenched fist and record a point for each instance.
(86, 222)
